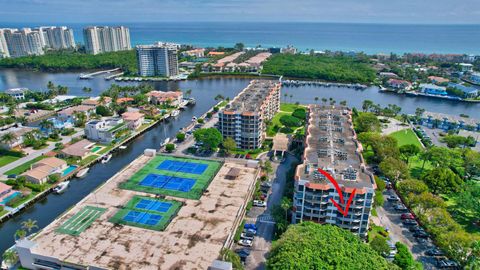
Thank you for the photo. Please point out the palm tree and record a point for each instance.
(46, 125)
(86, 89)
(343, 103)
(188, 92)
(286, 204)
(62, 90)
(316, 99)
(404, 118)
(22, 120)
(366, 105)
(19, 234)
(219, 97)
(29, 225)
(291, 96)
(80, 119)
(10, 257)
(50, 86)
(324, 100)
(8, 138)
(285, 96)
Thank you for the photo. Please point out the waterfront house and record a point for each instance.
(127, 100)
(432, 89)
(7, 193)
(475, 78)
(466, 67)
(94, 102)
(468, 91)
(199, 52)
(18, 133)
(69, 113)
(17, 93)
(79, 149)
(449, 122)
(175, 98)
(41, 170)
(213, 53)
(133, 119)
(103, 130)
(437, 80)
(399, 84)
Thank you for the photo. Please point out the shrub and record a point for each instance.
(300, 113)
(200, 121)
(180, 137)
(170, 147)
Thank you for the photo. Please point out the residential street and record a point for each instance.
(262, 218)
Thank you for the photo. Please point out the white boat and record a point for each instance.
(175, 113)
(82, 173)
(167, 140)
(106, 158)
(61, 187)
(123, 147)
(194, 119)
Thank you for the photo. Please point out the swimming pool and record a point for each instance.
(10, 197)
(95, 149)
(68, 170)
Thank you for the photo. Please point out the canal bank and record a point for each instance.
(48, 208)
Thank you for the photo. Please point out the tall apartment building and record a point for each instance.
(159, 59)
(331, 145)
(57, 38)
(101, 39)
(244, 118)
(3, 45)
(23, 42)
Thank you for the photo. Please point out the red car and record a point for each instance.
(407, 216)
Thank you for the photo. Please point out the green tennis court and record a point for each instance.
(81, 220)
(148, 178)
(147, 213)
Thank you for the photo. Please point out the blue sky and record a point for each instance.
(364, 11)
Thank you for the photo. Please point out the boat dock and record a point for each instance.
(114, 76)
(90, 75)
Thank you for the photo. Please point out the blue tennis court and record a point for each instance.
(142, 218)
(168, 182)
(182, 166)
(153, 205)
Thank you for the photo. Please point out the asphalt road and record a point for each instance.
(263, 220)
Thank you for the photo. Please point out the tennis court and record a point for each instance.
(147, 212)
(142, 218)
(81, 220)
(182, 166)
(168, 182)
(174, 176)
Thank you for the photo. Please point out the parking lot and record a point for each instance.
(390, 217)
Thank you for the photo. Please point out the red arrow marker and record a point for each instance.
(344, 212)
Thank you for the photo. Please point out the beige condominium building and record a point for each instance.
(102, 39)
(244, 118)
(331, 145)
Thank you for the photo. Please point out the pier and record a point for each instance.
(324, 84)
(114, 76)
(90, 75)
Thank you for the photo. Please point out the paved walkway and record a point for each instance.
(394, 126)
(37, 153)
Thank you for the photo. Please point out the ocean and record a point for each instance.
(368, 38)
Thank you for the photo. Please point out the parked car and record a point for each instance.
(251, 226)
(392, 198)
(247, 236)
(434, 252)
(400, 208)
(407, 216)
(409, 222)
(420, 234)
(266, 184)
(415, 228)
(448, 264)
(250, 231)
(259, 203)
(245, 243)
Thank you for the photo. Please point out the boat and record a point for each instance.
(61, 187)
(194, 119)
(106, 158)
(175, 113)
(167, 140)
(82, 173)
(123, 147)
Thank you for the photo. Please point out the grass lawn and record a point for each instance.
(88, 159)
(4, 160)
(222, 104)
(24, 167)
(289, 107)
(406, 136)
(374, 232)
(131, 213)
(273, 128)
(24, 199)
(3, 212)
(201, 181)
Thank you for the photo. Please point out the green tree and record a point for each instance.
(103, 111)
(180, 136)
(170, 147)
(210, 138)
(313, 246)
(367, 105)
(409, 150)
(46, 124)
(442, 180)
(471, 161)
(394, 169)
(239, 46)
(290, 121)
(380, 245)
(229, 145)
(10, 257)
(80, 119)
(8, 138)
(19, 234)
(404, 258)
(286, 204)
(469, 198)
(230, 256)
(367, 122)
